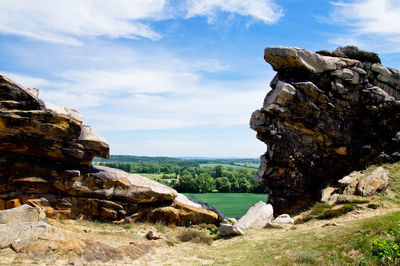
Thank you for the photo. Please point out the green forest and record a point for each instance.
(193, 175)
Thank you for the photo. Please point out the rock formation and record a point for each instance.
(45, 161)
(328, 114)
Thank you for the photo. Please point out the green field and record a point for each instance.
(230, 204)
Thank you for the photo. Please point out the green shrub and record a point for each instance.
(386, 250)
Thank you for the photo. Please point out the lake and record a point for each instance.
(230, 204)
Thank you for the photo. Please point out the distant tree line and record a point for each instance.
(191, 178)
(243, 162)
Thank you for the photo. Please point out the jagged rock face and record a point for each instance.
(326, 115)
(45, 161)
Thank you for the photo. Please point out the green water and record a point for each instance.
(230, 204)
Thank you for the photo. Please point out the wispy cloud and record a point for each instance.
(266, 11)
(67, 21)
(70, 22)
(372, 24)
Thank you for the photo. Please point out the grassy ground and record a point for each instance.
(230, 204)
(313, 243)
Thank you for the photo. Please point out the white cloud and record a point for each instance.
(70, 21)
(66, 21)
(370, 16)
(373, 24)
(263, 10)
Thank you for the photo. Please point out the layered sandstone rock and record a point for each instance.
(45, 161)
(328, 114)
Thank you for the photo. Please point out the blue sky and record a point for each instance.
(176, 78)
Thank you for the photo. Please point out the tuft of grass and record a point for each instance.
(127, 226)
(195, 236)
(305, 258)
(160, 228)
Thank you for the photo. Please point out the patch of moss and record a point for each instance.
(336, 212)
(320, 208)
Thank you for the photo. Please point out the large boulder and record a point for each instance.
(328, 114)
(230, 230)
(258, 216)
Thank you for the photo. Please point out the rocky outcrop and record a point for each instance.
(328, 114)
(356, 185)
(45, 161)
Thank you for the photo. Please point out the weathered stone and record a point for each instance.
(151, 235)
(373, 182)
(110, 183)
(198, 204)
(282, 58)
(354, 53)
(349, 182)
(22, 214)
(19, 235)
(274, 225)
(178, 214)
(324, 118)
(230, 230)
(257, 216)
(327, 193)
(283, 218)
(94, 143)
(14, 203)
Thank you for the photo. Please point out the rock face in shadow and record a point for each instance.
(46, 158)
(328, 114)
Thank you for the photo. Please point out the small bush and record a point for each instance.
(305, 258)
(212, 229)
(195, 236)
(386, 250)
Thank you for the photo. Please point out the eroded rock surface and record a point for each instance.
(328, 114)
(45, 161)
